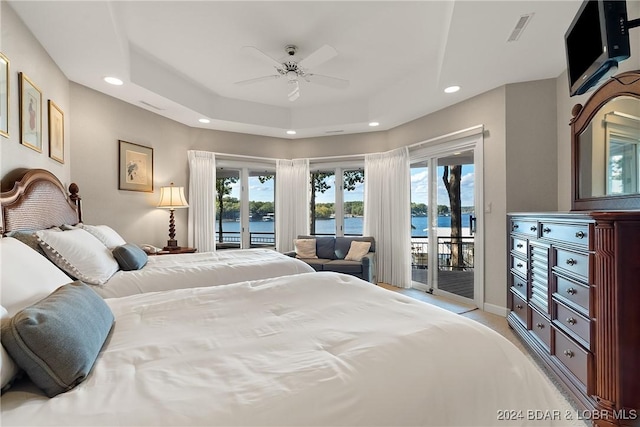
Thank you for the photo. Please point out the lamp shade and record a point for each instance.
(172, 198)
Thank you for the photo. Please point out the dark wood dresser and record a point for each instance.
(574, 296)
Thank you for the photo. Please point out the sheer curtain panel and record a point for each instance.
(202, 200)
(292, 202)
(387, 213)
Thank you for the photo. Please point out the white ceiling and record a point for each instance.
(181, 59)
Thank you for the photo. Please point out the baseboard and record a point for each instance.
(495, 309)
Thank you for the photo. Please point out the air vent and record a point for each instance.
(335, 131)
(520, 26)
(151, 105)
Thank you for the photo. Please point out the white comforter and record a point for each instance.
(179, 271)
(308, 349)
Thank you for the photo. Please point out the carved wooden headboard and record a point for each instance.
(34, 199)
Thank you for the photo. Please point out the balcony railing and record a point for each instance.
(448, 248)
(258, 239)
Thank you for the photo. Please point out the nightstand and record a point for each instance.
(181, 250)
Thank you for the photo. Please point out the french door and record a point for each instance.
(446, 216)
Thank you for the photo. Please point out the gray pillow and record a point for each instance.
(325, 247)
(56, 341)
(130, 257)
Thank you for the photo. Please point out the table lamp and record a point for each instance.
(172, 198)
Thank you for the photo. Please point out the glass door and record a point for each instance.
(454, 223)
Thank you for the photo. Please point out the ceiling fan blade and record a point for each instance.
(295, 90)
(318, 57)
(328, 81)
(258, 79)
(261, 55)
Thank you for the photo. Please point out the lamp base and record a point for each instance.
(172, 245)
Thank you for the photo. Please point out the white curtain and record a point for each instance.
(292, 202)
(387, 213)
(202, 200)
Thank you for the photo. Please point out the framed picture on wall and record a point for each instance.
(136, 167)
(4, 96)
(30, 114)
(56, 132)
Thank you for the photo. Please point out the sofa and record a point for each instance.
(331, 251)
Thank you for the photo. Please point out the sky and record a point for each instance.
(264, 192)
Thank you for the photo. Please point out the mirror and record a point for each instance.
(606, 147)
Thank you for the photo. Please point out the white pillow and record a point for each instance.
(107, 235)
(26, 276)
(305, 248)
(357, 250)
(79, 254)
(8, 368)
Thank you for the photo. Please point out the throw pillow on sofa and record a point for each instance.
(357, 251)
(305, 248)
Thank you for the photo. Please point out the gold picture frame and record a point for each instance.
(56, 132)
(30, 114)
(136, 167)
(4, 95)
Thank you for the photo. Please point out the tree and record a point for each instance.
(223, 188)
(451, 177)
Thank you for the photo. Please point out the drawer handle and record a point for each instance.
(580, 234)
(546, 230)
(568, 353)
(519, 306)
(534, 228)
(540, 325)
(519, 265)
(571, 261)
(571, 321)
(519, 245)
(519, 284)
(515, 226)
(572, 291)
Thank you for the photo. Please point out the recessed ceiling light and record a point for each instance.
(452, 89)
(291, 132)
(374, 124)
(204, 120)
(113, 81)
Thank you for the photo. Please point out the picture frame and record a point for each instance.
(30, 114)
(4, 95)
(56, 132)
(136, 167)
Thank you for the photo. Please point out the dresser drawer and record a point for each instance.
(519, 308)
(571, 355)
(573, 323)
(520, 266)
(574, 292)
(519, 285)
(528, 228)
(576, 263)
(541, 328)
(519, 245)
(576, 234)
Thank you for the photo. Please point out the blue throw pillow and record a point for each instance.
(325, 247)
(130, 257)
(56, 341)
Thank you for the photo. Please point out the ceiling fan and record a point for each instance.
(293, 69)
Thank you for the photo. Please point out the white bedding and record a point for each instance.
(179, 271)
(308, 349)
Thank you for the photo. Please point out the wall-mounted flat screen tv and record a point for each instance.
(595, 43)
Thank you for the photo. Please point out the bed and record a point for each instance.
(37, 201)
(306, 349)
(301, 349)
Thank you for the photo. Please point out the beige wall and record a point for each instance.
(27, 55)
